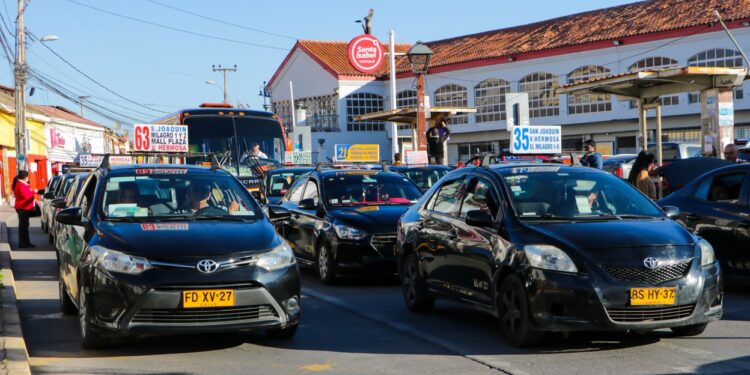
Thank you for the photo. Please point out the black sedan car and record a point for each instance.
(278, 181)
(556, 248)
(716, 206)
(174, 249)
(423, 176)
(344, 221)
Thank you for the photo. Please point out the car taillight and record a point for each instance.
(618, 172)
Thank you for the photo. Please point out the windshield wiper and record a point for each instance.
(549, 217)
(635, 216)
(127, 219)
(222, 217)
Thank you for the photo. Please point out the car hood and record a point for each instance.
(633, 239)
(374, 219)
(176, 239)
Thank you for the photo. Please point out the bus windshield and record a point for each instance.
(235, 136)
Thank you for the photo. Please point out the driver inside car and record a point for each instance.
(199, 195)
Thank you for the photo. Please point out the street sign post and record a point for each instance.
(160, 138)
(358, 153)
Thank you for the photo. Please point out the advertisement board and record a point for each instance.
(358, 153)
(298, 157)
(160, 138)
(415, 157)
(365, 53)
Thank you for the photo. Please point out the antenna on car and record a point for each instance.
(105, 162)
(215, 164)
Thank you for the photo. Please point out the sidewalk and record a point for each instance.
(15, 358)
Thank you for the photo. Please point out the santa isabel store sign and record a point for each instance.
(365, 53)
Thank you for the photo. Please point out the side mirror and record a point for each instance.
(70, 216)
(59, 203)
(672, 212)
(479, 218)
(49, 195)
(278, 213)
(308, 204)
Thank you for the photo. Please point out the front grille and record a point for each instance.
(205, 315)
(646, 314)
(386, 241)
(644, 275)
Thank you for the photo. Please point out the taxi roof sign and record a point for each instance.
(357, 153)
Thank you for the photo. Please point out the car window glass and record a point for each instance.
(311, 190)
(86, 196)
(724, 189)
(446, 201)
(479, 197)
(367, 188)
(669, 151)
(278, 183)
(295, 195)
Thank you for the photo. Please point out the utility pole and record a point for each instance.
(80, 101)
(218, 68)
(20, 73)
(265, 94)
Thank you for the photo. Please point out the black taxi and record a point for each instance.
(154, 249)
(344, 221)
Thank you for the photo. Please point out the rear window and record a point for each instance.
(669, 151)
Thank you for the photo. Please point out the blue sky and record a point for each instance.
(167, 70)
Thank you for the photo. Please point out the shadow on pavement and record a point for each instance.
(734, 366)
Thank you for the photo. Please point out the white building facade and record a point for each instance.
(329, 93)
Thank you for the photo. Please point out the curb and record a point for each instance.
(13, 345)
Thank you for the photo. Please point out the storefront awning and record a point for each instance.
(409, 115)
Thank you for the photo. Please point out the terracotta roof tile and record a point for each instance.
(63, 113)
(640, 18)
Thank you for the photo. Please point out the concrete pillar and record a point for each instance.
(717, 120)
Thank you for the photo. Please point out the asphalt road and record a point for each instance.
(363, 327)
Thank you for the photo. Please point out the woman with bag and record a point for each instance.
(25, 206)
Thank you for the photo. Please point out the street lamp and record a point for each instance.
(419, 57)
(213, 83)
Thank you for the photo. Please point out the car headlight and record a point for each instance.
(707, 253)
(549, 257)
(349, 233)
(280, 257)
(115, 261)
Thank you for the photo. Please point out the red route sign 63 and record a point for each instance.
(365, 53)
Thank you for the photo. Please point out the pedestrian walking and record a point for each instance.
(639, 174)
(592, 158)
(436, 137)
(25, 206)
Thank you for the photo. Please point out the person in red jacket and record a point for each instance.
(24, 207)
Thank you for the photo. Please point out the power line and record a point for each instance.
(175, 28)
(220, 21)
(97, 82)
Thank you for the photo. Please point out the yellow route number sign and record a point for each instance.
(358, 153)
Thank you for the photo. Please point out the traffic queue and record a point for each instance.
(174, 248)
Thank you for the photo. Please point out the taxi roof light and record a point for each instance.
(215, 105)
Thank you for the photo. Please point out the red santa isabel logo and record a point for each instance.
(365, 53)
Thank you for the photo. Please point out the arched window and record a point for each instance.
(360, 104)
(588, 102)
(543, 101)
(717, 57)
(452, 95)
(406, 99)
(489, 98)
(656, 62)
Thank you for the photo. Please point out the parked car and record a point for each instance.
(556, 248)
(619, 165)
(65, 193)
(716, 206)
(171, 249)
(672, 151)
(49, 194)
(424, 176)
(278, 181)
(744, 154)
(681, 172)
(344, 221)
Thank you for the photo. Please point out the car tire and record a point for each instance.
(282, 333)
(692, 330)
(67, 307)
(325, 266)
(513, 313)
(50, 238)
(90, 338)
(414, 287)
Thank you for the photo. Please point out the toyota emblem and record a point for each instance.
(207, 266)
(651, 263)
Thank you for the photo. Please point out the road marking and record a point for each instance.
(500, 366)
(317, 367)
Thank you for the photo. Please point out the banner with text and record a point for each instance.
(160, 138)
(538, 139)
(298, 157)
(415, 157)
(361, 153)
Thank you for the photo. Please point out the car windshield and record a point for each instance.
(369, 188)
(163, 193)
(550, 194)
(278, 183)
(425, 177)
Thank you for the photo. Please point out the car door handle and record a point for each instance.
(692, 217)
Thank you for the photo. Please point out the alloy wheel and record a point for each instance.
(511, 311)
(323, 262)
